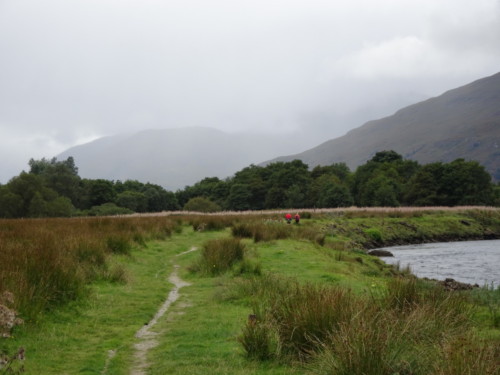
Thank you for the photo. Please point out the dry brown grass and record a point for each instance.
(47, 262)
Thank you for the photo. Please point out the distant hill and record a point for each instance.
(461, 123)
(174, 158)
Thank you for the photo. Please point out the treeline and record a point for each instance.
(53, 188)
(385, 180)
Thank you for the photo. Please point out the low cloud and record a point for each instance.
(73, 70)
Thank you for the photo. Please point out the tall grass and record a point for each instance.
(48, 262)
(296, 317)
(408, 329)
(209, 222)
(220, 255)
(261, 230)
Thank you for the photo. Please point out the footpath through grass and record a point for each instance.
(76, 339)
(253, 318)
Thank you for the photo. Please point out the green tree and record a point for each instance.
(387, 157)
(60, 176)
(466, 183)
(381, 190)
(335, 195)
(340, 170)
(275, 198)
(25, 185)
(239, 198)
(11, 205)
(201, 204)
(295, 198)
(423, 187)
(60, 207)
(159, 199)
(382, 180)
(37, 206)
(254, 178)
(133, 200)
(100, 191)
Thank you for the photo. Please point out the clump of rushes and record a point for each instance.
(258, 339)
(211, 222)
(298, 316)
(219, 255)
(410, 329)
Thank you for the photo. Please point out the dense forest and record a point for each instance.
(54, 188)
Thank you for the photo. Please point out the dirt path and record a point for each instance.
(146, 337)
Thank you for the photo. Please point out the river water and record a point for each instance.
(474, 262)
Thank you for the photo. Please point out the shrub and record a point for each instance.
(108, 209)
(201, 204)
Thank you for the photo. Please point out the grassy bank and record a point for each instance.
(311, 283)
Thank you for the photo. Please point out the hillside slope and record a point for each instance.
(173, 158)
(461, 123)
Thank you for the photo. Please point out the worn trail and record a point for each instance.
(146, 337)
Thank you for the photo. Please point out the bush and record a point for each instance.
(201, 204)
(108, 209)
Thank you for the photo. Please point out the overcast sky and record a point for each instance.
(75, 70)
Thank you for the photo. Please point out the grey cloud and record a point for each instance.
(73, 70)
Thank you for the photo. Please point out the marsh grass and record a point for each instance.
(468, 355)
(405, 329)
(296, 316)
(261, 230)
(411, 329)
(49, 262)
(219, 255)
(488, 297)
(211, 222)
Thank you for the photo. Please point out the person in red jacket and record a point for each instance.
(288, 218)
(297, 218)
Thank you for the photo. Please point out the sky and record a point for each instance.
(75, 70)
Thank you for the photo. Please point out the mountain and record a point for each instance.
(461, 123)
(174, 158)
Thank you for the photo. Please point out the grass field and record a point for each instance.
(283, 299)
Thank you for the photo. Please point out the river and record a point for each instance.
(474, 262)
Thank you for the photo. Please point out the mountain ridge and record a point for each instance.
(461, 123)
(174, 157)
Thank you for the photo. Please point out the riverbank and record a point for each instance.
(371, 230)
